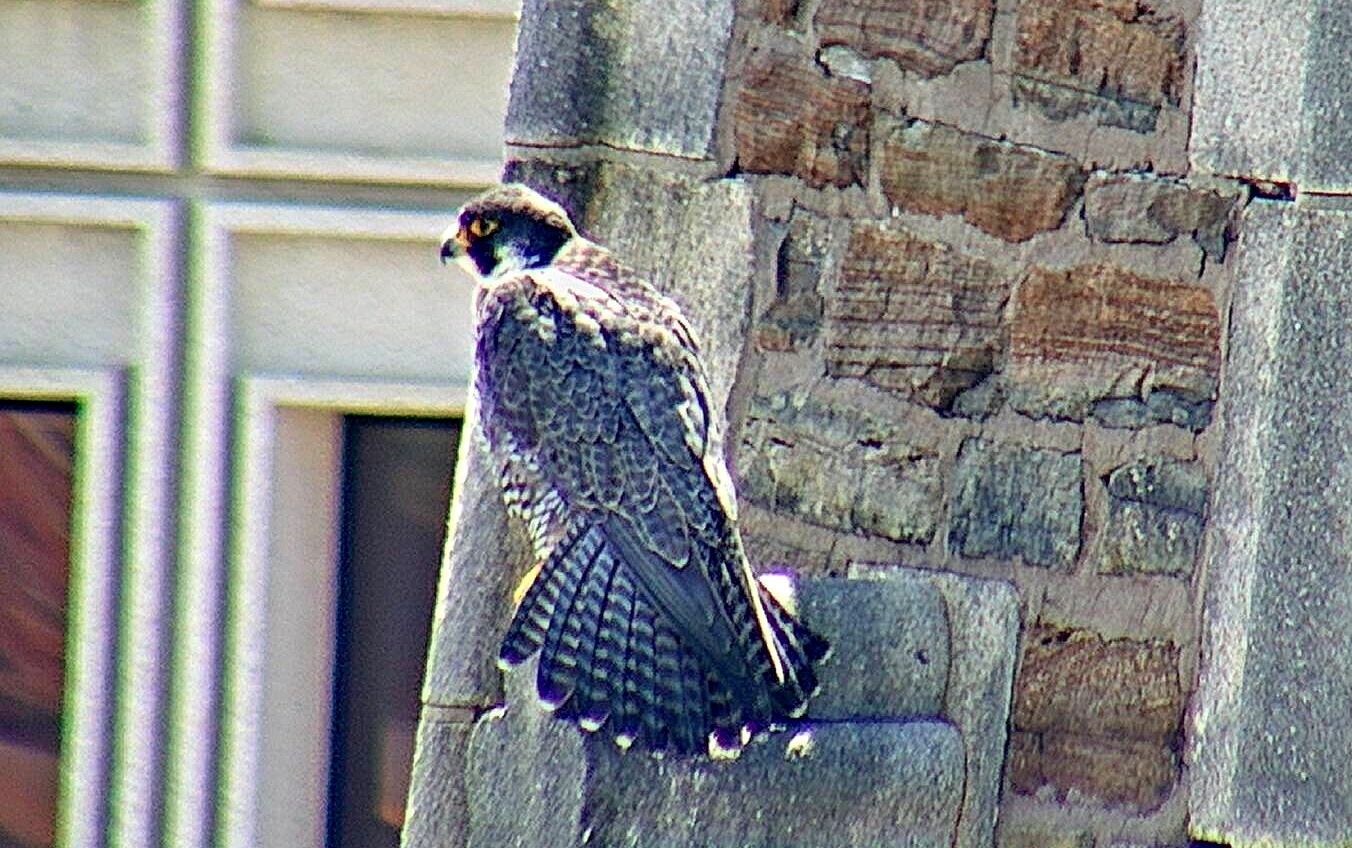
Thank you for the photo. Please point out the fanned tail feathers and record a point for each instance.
(609, 659)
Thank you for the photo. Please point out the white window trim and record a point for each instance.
(229, 462)
(91, 594)
(284, 801)
(224, 155)
(162, 21)
(140, 681)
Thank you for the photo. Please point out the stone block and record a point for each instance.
(857, 784)
(1073, 680)
(889, 648)
(525, 779)
(484, 554)
(838, 467)
(1154, 521)
(1100, 331)
(1011, 501)
(532, 780)
(1150, 210)
(794, 319)
(929, 37)
(438, 812)
(915, 316)
(1161, 406)
(621, 75)
(1119, 772)
(1269, 733)
(1114, 61)
(1269, 101)
(1010, 191)
(791, 117)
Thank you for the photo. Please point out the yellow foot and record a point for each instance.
(524, 586)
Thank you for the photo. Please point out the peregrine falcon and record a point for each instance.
(595, 408)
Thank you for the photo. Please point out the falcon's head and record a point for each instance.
(507, 229)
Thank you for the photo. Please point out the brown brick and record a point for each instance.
(1025, 762)
(926, 36)
(914, 316)
(1113, 50)
(1072, 680)
(1136, 773)
(1108, 330)
(1140, 208)
(1009, 191)
(791, 118)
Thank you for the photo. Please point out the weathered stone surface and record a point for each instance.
(1270, 100)
(1009, 191)
(889, 648)
(1154, 518)
(1101, 717)
(586, 74)
(477, 570)
(1045, 836)
(1133, 773)
(526, 776)
(839, 468)
(929, 37)
(1073, 680)
(983, 618)
(1116, 61)
(792, 118)
(1140, 208)
(1269, 733)
(1099, 331)
(914, 316)
(1011, 501)
(866, 785)
(437, 811)
(795, 317)
(1161, 406)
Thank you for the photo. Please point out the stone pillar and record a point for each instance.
(1270, 738)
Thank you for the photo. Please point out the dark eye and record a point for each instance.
(480, 227)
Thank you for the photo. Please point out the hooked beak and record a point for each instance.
(454, 243)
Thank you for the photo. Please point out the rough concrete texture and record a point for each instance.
(1154, 521)
(889, 648)
(887, 784)
(484, 554)
(437, 812)
(1010, 501)
(1007, 190)
(1271, 96)
(1269, 730)
(525, 780)
(915, 316)
(983, 618)
(1113, 61)
(791, 116)
(838, 467)
(929, 38)
(1100, 331)
(590, 73)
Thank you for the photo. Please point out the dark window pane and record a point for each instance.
(37, 444)
(396, 490)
